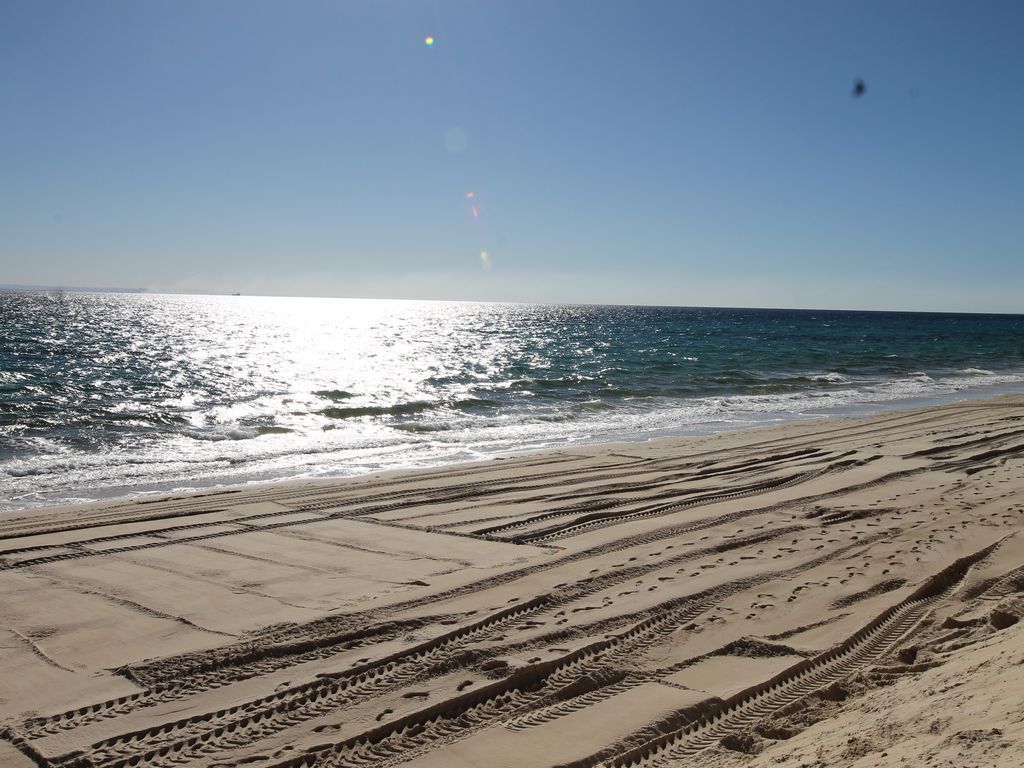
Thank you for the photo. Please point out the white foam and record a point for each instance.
(226, 454)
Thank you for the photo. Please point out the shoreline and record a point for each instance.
(588, 605)
(832, 416)
(748, 420)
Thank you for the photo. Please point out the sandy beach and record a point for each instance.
(841, 592)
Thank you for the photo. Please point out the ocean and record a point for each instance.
(105, 394)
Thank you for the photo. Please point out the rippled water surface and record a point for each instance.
(107, 394)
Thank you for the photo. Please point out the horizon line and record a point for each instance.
(34, 288)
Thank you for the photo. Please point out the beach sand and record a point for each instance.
(841, 592)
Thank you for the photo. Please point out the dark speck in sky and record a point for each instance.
(859, 88)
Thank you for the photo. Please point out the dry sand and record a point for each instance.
(840, 593)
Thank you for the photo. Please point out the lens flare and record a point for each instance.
(428, 40)
(485, 261)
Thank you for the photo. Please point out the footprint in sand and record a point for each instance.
(466, 683)
(337, 726)
(384, 714)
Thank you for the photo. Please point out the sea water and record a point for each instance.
(116, 394)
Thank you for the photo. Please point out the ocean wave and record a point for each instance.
(627, 393)
(398, 409)
(562, 383)
(975, 372)
(333, 394)
(474, 403)
(155, 419)
(30, 471)
(273, 431)
(11, 377)
(832, 377)
(12, 381)
(422, 427)
(218, 434)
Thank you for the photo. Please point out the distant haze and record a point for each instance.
(672, 153)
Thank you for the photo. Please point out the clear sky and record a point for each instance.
(693, 153)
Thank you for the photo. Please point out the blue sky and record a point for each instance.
(692, 153)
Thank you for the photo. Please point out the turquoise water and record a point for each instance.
(112, 394)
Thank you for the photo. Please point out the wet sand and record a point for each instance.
(841, 592)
